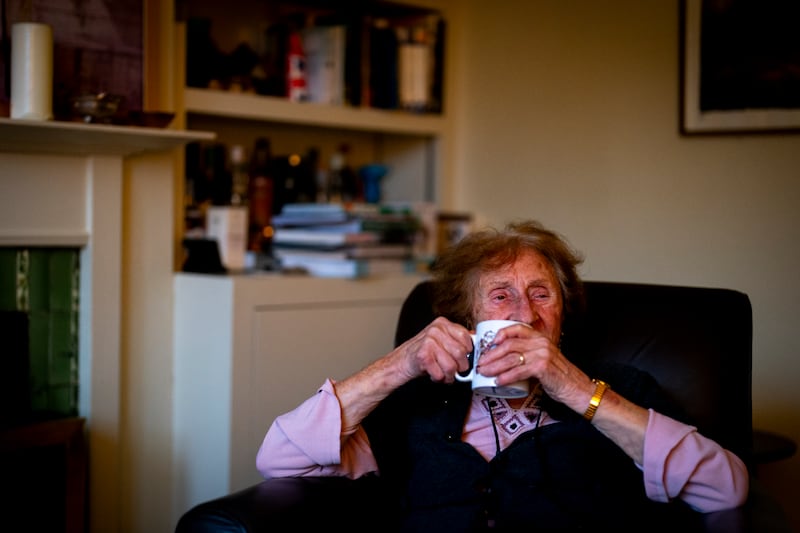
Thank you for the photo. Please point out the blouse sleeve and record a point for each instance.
(308, 441)
(681, 463)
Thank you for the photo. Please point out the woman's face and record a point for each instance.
(527, 291)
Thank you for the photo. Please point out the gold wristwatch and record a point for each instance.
(599, 390)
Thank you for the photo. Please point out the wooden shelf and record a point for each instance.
(77, 138)
(273, 109)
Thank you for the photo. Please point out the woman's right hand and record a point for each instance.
(440, 350)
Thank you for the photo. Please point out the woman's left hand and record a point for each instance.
(521, 352)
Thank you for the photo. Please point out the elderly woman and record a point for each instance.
(587, 448)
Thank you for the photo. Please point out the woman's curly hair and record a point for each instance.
(458, 269)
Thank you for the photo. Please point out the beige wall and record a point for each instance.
(568, 112)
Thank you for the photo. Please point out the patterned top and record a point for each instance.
(510, 422)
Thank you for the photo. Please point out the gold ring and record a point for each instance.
(521, 359)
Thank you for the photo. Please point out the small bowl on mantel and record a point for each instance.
(96, 108)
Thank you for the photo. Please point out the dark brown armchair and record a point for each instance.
(697, 342)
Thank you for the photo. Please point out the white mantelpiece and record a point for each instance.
(48, 170)
(78, 138)
(69, 184)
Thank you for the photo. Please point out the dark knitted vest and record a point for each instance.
(561, 477)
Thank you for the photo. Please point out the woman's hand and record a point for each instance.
(522, 352)
(440, 350)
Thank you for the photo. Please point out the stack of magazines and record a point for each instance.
(332, 240)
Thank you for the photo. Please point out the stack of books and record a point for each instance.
(331, 240)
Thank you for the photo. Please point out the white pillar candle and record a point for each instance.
(31, 71)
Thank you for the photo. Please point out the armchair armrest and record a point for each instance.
(761, 512)
(292, 504)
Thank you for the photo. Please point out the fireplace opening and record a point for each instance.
(39, 298)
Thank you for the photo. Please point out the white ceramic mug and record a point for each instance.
(482, 341)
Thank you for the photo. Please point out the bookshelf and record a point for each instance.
(411, 143)
(260, 318)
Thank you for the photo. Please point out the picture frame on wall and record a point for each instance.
(740, 66)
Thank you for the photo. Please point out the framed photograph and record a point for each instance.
(740, 66)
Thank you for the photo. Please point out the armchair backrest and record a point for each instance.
(696, 342)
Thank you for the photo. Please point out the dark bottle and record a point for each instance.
(219, 179)
(334, 185)
(261, 196)
(196, 192)
(203, 58)
(308, 188)
(285, 176)
(240, 176)
(344, 185)
(295, 179)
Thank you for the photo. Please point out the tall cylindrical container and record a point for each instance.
(31, 71)
(262, 196)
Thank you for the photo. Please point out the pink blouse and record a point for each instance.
(678, 461)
